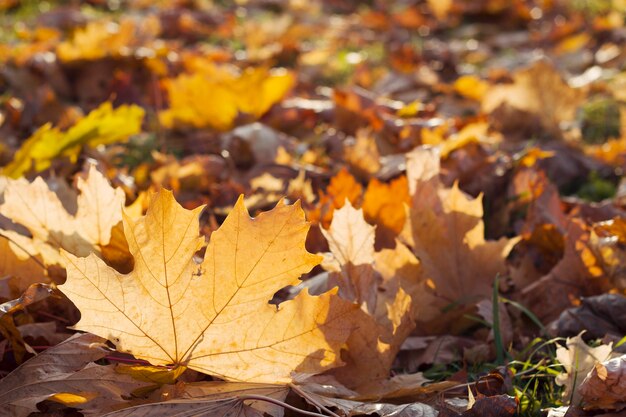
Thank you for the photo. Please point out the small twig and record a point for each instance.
(312, 401)
(280, 403)
(53, 316)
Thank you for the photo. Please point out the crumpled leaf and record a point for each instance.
(66, 368)
(605, 386)
(213, 316)
(578, 359)
(577, 274)
(102, 126)
(39, 209)
(213, 96)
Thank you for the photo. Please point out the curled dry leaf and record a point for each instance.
(605, 386)
(213, 316)
(577, 274)
(578, 359)
(63, 373)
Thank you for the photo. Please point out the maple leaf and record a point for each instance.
(213, 317)
(389, 319)
(351, 241)
(102, 126)
(446, 232)
(213, 97)
(40, 210)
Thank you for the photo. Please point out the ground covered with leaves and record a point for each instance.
(323, 208)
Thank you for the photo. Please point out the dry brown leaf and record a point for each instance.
(605, 386)
(577, 274)
(213, 316)
(231, 407)
(446, 232)
(66, 369)
(212, 398)
(18, 269)
(373, 346)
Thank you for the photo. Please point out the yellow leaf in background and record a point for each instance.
(471, 87)
(102, 39)
(102, 126)
(213, 316)
(213, 97)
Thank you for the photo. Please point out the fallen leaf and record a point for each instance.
(343, 186)
(102, 126)
(357, 408)
(599, 316)
(384, 204)
(540, 91)
(577, 274)
(40, 210)
(446, 233)
(351, 242)
(604, 387)
(231, 407)
(252, 92)
(65, 368)
(578, 359)
(159, 312)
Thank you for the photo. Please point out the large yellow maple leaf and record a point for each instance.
(213, 316)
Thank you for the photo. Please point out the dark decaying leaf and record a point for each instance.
(66, 368)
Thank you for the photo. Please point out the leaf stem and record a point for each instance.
(311, 400)
(282, 404)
